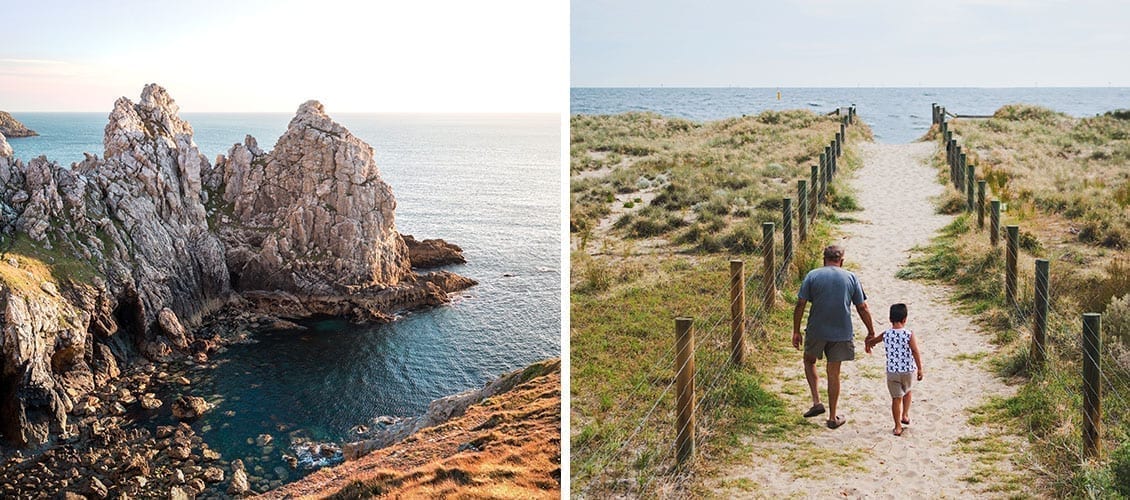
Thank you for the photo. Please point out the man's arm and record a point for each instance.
(865, 315)
(798, 314)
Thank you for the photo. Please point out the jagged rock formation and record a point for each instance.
(11, 127)
(119, 256)
(127, 238)
(299, 212)
(309, 227)
(427, 254)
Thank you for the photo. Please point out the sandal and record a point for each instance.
(816, 409)
(836, 422)
(906, 421)
(898, 432)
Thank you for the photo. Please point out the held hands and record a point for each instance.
(796, 340)
(920, 374)
(870, 342)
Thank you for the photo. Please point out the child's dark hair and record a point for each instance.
(898, 313)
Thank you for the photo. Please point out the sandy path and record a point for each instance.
(894, 187)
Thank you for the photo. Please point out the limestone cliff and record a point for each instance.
(125, 237)
(12, 127)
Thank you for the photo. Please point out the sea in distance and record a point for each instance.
(489, 183)
(895, 115)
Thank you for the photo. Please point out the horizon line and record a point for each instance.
(715, 86)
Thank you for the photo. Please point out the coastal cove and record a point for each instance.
(483, 182)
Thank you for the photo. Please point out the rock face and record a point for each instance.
(312, 216)
(12, 127)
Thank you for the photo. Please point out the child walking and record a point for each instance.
(903, 361)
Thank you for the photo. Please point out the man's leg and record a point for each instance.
(812, 378)
(833, 388)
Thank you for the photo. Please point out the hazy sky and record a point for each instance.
(848, 43)
(219, 55)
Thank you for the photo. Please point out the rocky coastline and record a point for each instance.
(123, 273)
(11, 127)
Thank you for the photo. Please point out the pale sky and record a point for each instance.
(222, 55)
(849, 43)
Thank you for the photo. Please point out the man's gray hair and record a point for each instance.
(833, 253)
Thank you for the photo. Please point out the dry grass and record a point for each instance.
(1065, 181)
(508, 446)
(697, 186)
(659, 206)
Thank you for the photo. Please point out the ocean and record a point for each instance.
(895, 115)
(488, 183)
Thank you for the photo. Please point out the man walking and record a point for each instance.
(832, 291)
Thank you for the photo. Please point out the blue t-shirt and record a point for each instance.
(832, 291)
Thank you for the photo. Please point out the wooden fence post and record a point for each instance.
(823, 178)
(840, 141)
(995, 222)
(831, 149)
(981, 204)
(960, 170)
(802, 210)
(812, 194)
(1012, 252)
(970, 181)
(769, 285)
(684, 390)
(1092, 389)
(933, 113)
(737, 312)
(786, 238)
(1040, 321)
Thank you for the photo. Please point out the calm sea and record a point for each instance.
(896, 115)
(489, 183)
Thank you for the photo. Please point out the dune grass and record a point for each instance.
(659, 207)
(1064, 181)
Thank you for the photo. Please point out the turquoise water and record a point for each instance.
(489, 183)
(896, 115)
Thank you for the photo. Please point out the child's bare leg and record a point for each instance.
(896, 412)
(906, 407)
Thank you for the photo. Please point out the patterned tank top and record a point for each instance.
(899, 357)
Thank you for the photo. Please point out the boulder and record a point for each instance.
(190, 407)
(5, 148)
(239, 482)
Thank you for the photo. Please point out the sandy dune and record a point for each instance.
(863, 459)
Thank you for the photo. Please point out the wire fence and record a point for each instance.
(706, 360)
(1079, 374)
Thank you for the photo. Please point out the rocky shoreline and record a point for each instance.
(11, 127)
(122, 275)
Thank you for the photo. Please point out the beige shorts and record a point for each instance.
(899, 383)
(836, 351)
